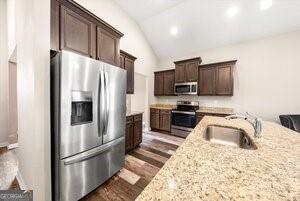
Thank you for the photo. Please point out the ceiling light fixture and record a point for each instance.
(232, 11)
(174, 31)
(266, 4)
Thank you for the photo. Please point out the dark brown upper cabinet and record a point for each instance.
(76, 29)
(127, 63)
(158, 83)
(224, 80)
(122, 60)
(180, 73)
(206, 85)
(216, 79)
(187, 70)
(107, 47)
(164, 83)
(77, 33)
(169, 81)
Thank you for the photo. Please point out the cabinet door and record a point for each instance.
(180, 73)
(224, 80)
(165, 120)
(108, 49)
(199, 117)
(154, 119)
(129, 66)
(137, 133)
(129, 137)
(207, 81)
(129, 134)
(54, 29)
(77, 33)
(169, 80)
(191, 71)
(158, 84)
(122, 59)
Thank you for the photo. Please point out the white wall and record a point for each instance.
(33, 39)
(132, 42)
(266, 75)
(3, 75)
(139, 100)
(11, 26)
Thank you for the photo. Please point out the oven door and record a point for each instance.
(183, 119)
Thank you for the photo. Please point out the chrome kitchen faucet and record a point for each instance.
(254, 121)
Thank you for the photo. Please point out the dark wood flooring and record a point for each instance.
(141, 165)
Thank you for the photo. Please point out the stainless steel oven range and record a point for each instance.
(184, 118)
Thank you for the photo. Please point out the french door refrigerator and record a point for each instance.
(88, 112)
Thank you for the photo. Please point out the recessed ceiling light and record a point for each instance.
(265, 4)
(232, 11)
(174, 31)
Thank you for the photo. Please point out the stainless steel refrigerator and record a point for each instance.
(88, 112)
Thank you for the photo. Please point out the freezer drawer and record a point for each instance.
(82, 173)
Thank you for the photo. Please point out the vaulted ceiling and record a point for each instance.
(179, 27)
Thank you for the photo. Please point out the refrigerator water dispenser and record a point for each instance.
(82, 108)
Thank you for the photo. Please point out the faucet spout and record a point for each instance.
(254, 121)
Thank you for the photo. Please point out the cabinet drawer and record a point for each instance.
(129, 120)
(154, 111)
(165, 111)
(138, 117)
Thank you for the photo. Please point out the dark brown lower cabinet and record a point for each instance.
(129, 134)
(134, 132)
(160, 120)
(137, 130)
(165, 120)
(154, 118)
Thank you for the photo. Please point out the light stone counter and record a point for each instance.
(132, 113)
(163, 106)
(216, 110)
(200, 170)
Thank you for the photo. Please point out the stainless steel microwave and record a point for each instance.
(187, 88)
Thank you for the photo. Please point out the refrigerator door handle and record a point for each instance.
(107, 99)
(100, 104)
(91, 153)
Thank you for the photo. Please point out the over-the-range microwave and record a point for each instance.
(187, 88)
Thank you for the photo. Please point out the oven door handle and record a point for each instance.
(183, 112)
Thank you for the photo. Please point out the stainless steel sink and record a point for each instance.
(229, 136)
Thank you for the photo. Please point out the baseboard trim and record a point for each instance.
(13, 146)
(3, 144)
(21, 181)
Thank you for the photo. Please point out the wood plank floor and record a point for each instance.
(141, 165)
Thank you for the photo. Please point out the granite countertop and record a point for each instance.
(216, 110)
(131, 113)
(200, 170)
(163, 106)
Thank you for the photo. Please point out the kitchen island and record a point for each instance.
(200, 170)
